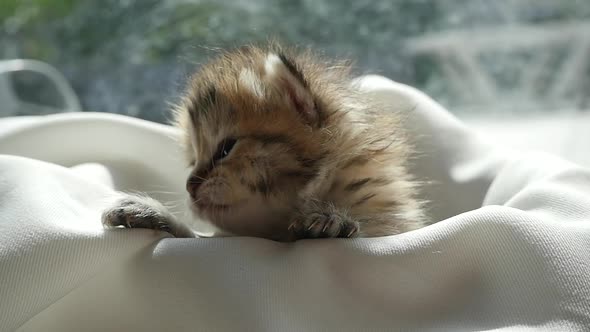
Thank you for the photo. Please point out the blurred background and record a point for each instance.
(494, 59)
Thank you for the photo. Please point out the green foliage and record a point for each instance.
(35, 10)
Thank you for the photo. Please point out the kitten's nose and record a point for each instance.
(192, 185)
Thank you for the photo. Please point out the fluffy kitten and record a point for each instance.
(283, 146)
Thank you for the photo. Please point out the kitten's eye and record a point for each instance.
(225, 148)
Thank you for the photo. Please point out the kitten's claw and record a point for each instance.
(315, 221)
(328, 224)
(324, 225)
(352, 231)
(143, 212)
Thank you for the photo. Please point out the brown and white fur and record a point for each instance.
(284, 146)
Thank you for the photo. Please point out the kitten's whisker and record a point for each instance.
(176, 202)
(198, 178)
(174, 206)
(163, 192)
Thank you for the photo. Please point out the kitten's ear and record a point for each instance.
(286, 77)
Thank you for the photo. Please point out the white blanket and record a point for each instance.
(511, 250)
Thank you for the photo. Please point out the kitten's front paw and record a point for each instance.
(143, 212)
(323, 222)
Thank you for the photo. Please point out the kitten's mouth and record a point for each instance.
(209, 207)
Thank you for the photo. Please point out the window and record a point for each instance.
(474, 56)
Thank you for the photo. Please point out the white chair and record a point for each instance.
(29, 87)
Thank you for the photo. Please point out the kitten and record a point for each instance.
(284, 146)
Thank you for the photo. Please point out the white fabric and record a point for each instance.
(511, 252)
(564, 133)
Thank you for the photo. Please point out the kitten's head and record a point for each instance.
(257, 125)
